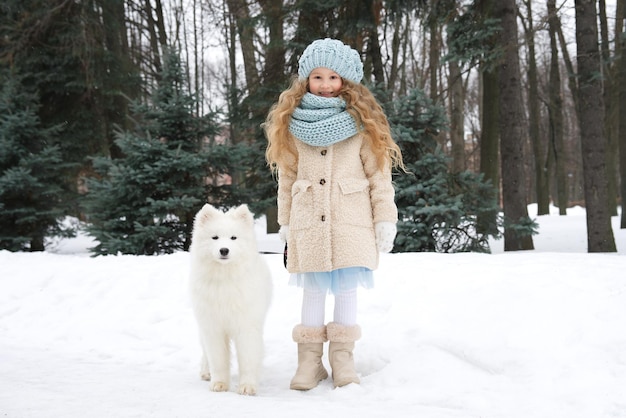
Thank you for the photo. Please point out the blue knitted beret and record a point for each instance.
(333, 54)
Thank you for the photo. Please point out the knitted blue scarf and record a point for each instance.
(322, 121)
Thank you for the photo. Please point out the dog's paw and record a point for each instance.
(247, 389)
(205, 370)
(219, 387)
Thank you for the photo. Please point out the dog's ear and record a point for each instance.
(207, 213)
(242, 212)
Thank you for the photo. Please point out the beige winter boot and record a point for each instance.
(310, 349)
(342, 340)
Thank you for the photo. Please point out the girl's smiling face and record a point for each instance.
(324, 82)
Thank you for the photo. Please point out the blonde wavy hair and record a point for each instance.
(360, 103)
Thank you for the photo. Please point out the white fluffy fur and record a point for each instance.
(231, 290)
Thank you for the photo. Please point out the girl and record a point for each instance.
(330, 143)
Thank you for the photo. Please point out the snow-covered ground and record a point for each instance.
(535, 334)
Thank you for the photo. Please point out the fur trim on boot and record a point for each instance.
(310, 349)
(340, 353)
(302, 334)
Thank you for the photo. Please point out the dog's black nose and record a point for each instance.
(223, 252)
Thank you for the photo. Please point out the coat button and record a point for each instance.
(323, 218)
(323, 152)
(322, 182)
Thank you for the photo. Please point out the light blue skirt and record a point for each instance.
(336, 281)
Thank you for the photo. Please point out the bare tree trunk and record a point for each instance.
(574, 181)
(457, 120)
(199, 28)
(196, 56)
(610, 112)
(373, 48)
(274, 70)
(593, 142)
(433, 54)
(405, 52)
(457, 112)
(573, 87)
(395, 51)
(160, 23)
(555, 113)
(37, 244)
(245, 29)
(615, 100)
(489, 115)
(542, 189)
(273, 75)
(622, 119)
(490, 122)
(230, 31)
(154, 39)
(116, 41)
(181, 23)
(512, 129)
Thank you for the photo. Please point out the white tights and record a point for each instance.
(314, 308)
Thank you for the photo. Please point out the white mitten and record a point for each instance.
(385, 235)
(283, 233)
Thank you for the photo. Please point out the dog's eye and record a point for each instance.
(233, 238)
(215, 237)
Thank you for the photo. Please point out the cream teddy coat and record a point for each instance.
(331, 199)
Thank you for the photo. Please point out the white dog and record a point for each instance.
(231, 290)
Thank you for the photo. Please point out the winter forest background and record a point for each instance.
(128, 115)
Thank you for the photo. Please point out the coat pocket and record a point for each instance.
(356, 207)
(301, 205)
(350, 186)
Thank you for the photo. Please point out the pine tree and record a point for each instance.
(30, 171)
(72, 54)
(144, 202)
(244, 156)
(438, 210)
